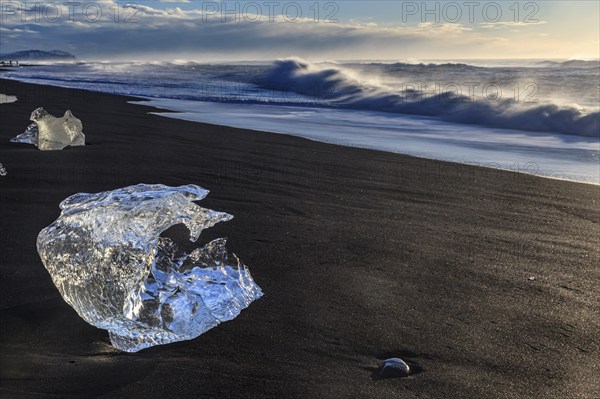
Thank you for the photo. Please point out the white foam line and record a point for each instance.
(554, 156)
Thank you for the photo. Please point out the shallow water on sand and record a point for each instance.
(544, 154)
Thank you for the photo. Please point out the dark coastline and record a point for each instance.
(362, 255)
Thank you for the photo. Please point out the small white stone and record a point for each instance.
(393, 367)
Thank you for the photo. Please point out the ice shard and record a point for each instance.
(6, 99)
(30, 136)
(107, 258)
(50, 133)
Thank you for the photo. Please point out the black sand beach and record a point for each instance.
(485, 281)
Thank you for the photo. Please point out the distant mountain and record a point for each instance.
(38, 55)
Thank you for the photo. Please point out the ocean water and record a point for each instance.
(540, 117)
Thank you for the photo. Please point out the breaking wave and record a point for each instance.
(336, 86)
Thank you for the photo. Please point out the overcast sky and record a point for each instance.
(338, 30)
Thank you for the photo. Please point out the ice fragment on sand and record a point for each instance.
(107, 259)
(6, 99)
(50, 133)
(393, 367)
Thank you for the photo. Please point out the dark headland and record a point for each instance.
(486, 282)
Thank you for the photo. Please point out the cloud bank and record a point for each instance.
(106, 29)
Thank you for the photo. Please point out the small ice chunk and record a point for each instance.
(50, 133)
(2, 170)
(6, 99)
(393, 367)
(106, 257)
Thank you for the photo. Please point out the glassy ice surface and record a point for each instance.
(106, 257)
(30, 136)
(50, 133)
